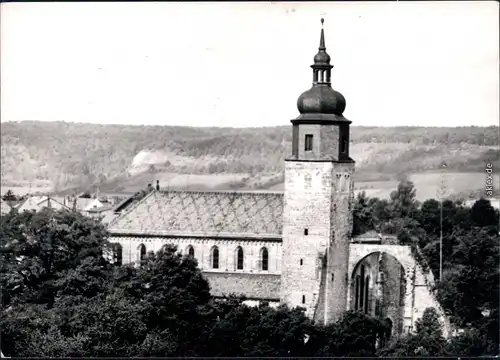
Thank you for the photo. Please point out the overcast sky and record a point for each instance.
(245, 64)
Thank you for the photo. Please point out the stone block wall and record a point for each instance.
(317, 224)
(342, 186)
(315, 131)
(394, 288)
(329, 138)
(253, 286)
(307, 207)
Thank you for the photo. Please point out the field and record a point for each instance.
(427, 184)
(72, 158)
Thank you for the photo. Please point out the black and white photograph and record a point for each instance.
(250, 179)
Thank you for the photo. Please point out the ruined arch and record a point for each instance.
(379, 287)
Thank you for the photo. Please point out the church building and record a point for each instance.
(293, 247)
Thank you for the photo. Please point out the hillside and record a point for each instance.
(123, 158)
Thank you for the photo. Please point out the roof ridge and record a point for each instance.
(251, 192)
(212, 211)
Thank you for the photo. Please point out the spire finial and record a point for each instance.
(322, 38)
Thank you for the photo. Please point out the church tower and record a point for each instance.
(317, 219)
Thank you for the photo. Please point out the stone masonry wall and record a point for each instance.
(417, 293)
(253, 286)
(307, 206)
(315, 131)
(342, 187)
(329, 137)
(202, 251)
(392, 306)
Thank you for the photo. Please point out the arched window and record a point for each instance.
(362, 288)
(215, 257)
(142, 252)
(367, 293)
(356, 300)
(190, 251)
(239, 258)
(264, 258)
(117, 254)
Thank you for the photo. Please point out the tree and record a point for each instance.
(472, 284)
(427, 341)
(471, 343)
(362, 215)
(175, 296)
(259, 332)
(483, 214)
(429, 217)
(9, 196)
(402, 202)
(40, 249)
(355, 334)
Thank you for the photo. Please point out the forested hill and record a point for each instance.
(74, 153)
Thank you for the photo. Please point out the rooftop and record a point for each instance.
(204, 213)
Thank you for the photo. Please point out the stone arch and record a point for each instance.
(379, 287)
(239, 258)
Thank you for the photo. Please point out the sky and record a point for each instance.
(245, 64)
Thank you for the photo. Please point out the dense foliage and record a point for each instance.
(469, 290)
(62, 297)
(39, 150)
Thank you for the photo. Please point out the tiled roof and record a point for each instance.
(39, 202)
(30, 203)
(53, 203)
(82, 203)
(100, 209)
(204, 214)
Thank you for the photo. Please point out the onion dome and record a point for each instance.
(321, 98)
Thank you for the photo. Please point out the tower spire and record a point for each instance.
(321, 98)
(322, 38)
